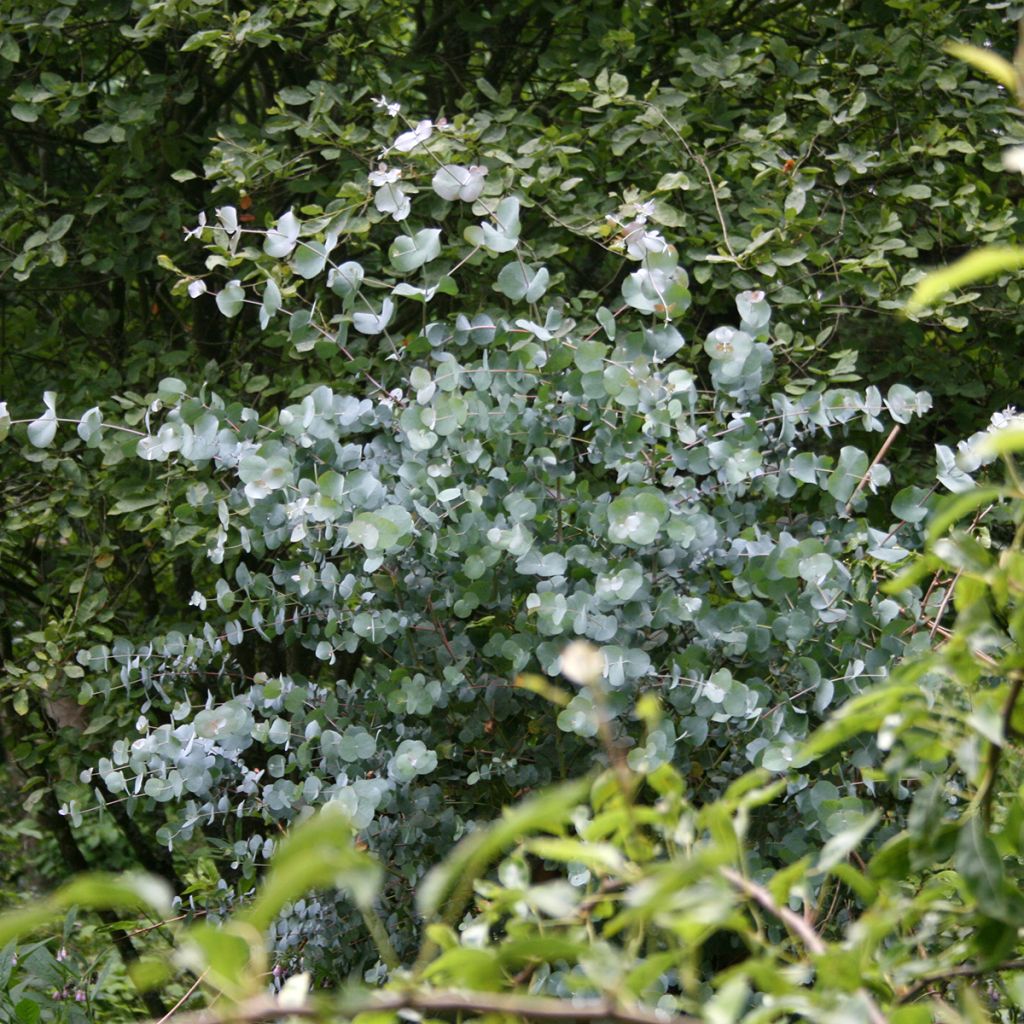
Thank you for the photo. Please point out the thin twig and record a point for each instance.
(794, 922)
(961, 971)
(702, 163)
(943, 604)
(874, 462)
(440, 630)
(174, 1009)
(798, 927)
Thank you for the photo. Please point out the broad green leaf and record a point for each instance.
(450, 883)
(864, 713)
(132, 893)
(319, 852)
(954, 507)
(1004, 441)
(224, 956)
(602, 858)
(981, 868)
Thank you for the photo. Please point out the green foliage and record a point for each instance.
(550, 342)
(619, 894)
(502, 482)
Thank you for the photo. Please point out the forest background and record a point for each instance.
(358, 357)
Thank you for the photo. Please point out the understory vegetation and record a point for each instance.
(497, 518)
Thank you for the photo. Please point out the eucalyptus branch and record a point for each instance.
(443, 1002)
(702, 163)
(72, 420)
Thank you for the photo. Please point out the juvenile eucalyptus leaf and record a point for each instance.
(453, 181)
(410, 252)
(231, 298)
(43, 430)
(344, 280)
(281, 239)
(374, 323)
(520, 282)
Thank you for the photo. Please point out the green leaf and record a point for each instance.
(27, 112)
(955, 506)
(503, 234)
(171, 389)
(453, 181)
(590, 356)
(911, 504)
(310, 259)
(222, 955)
(282, 239)
(344, 280)
(59, 228)
(449, 885)
(90, 424)
(97, 891)
(320, 852)
(864, 713)
(1004, 441)
(980, 866)
(374, 323)
(850, 469)
(843, 843)
(602, 858)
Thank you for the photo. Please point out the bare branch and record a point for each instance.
(797, 926)
(874, 462)
(442, 1002)
(794, 922)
